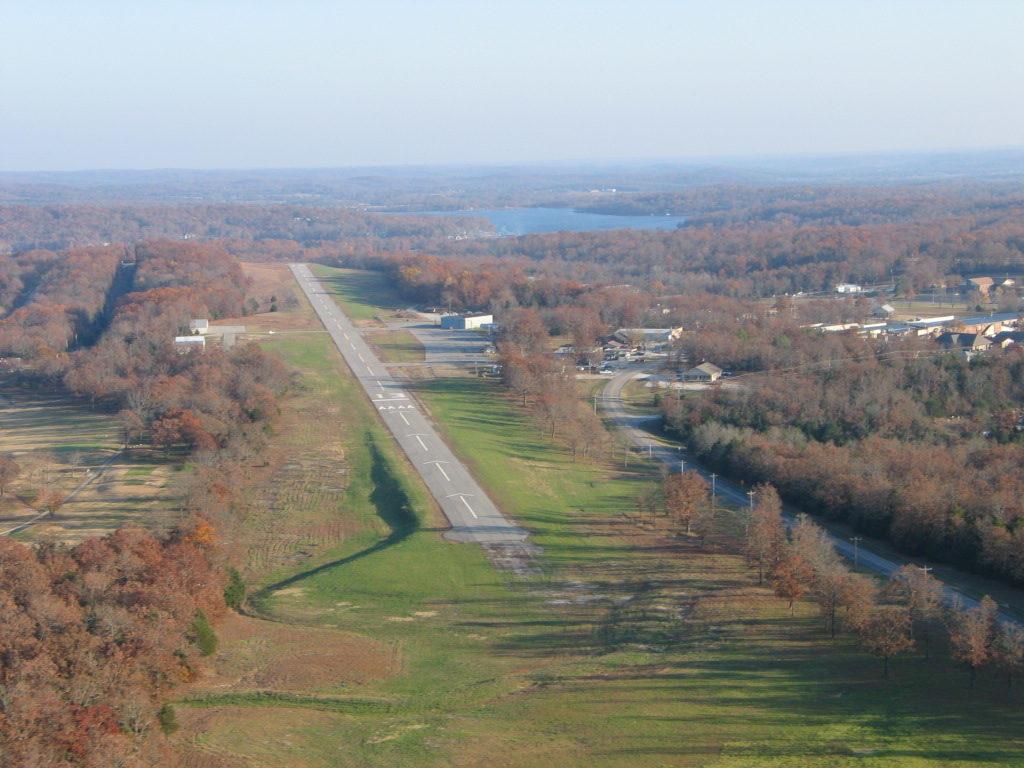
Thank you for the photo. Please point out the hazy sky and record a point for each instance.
(229, 84)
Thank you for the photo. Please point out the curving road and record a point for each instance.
(472, 514)
(637, 429)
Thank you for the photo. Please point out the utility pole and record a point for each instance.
(856, 551)
(925, 569)
(650, 450)
(713, 489)
(750, 495)
(682, 466)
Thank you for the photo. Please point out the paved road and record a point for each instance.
(472, 514)
(638, 430)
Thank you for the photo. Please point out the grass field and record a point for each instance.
(628, 649)
(371, 303)
(397, 346)
(59, 442)
(365, 295)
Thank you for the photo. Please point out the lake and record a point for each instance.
(528, 221)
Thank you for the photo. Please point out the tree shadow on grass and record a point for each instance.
(392, 505)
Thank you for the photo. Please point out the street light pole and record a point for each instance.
(856, 550)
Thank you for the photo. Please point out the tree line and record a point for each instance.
(922, 449)
(546, 386)
(93, 636)
(889, 618)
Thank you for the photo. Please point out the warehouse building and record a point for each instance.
(466, 322)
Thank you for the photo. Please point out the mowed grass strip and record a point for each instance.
(363, 294)
(693, 664)
(631, 649)
(281, 699)
(397, 346)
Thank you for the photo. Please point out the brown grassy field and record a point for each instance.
(64, 446)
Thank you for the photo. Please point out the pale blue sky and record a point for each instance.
(229, 84)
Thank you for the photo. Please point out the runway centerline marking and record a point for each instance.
(438, 465)
(462, 497)
(404, 419)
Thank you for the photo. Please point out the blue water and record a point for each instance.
(528, 221)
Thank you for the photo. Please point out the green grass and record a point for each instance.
(363, 294)
(397, 346)
(279, 699)
(368, 451)
(625, 651)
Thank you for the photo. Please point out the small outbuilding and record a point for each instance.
(189, 343)
(200, 326)
(638, 336)
(707, 373)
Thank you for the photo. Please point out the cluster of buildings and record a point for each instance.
(199, 330)
(969, 334)
(986, 286)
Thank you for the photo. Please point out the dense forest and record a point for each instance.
(92, 636)
(738, 241)
(25, 227)
(919, 447)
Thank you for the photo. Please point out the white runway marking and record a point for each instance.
(360, 356)
(344, 334)
(419, 439)
(438, 465)
(404, 419)
(463, 496)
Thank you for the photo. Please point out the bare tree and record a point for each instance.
(766, 534)
(922, 594)
(886, 632)
(972, 634)
(685, 493)
(858, 596)
(789, 578)
(1008, 651)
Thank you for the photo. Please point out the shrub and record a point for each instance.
(203, 635)
(168, 719)
(234, 592)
